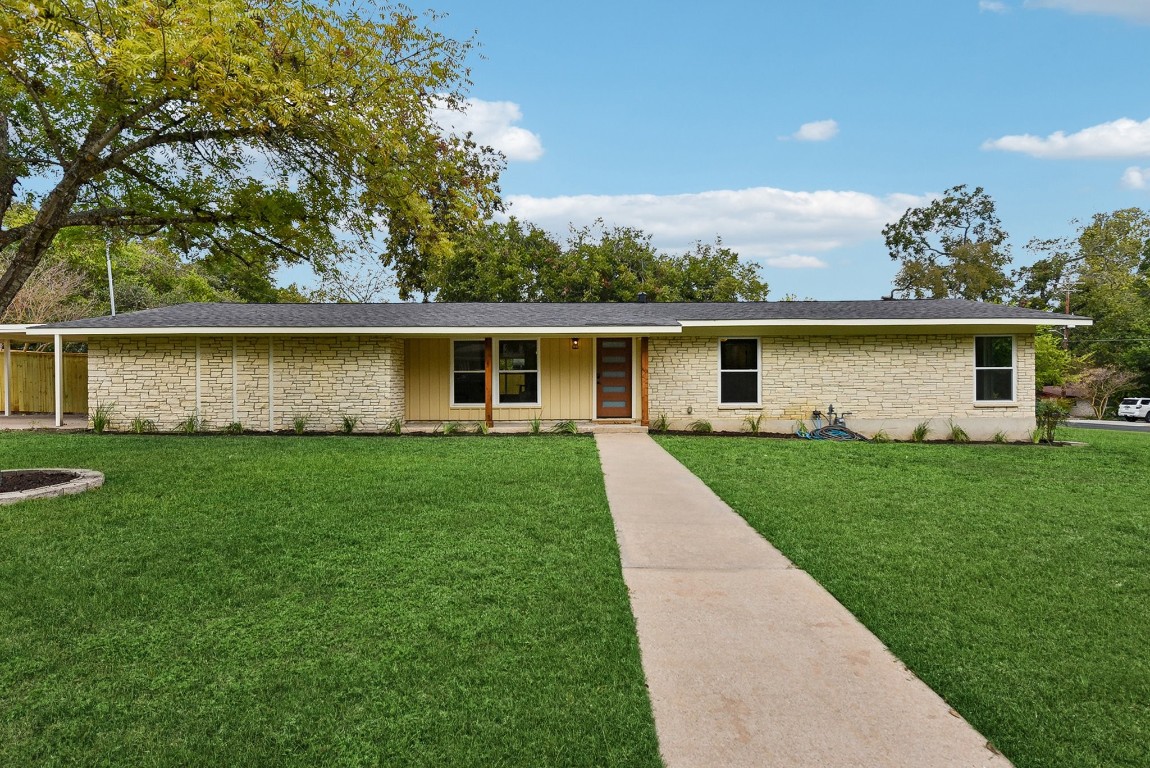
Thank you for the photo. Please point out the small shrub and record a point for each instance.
(702, 426)
(235, 428)
(661, 423)
(1049, 415)
(999, 437)
(957, 433)
(535, 425)
(480, 428)
(920, 432)
(140, 425)
(753, 423)
(800, 427)
(191, 425)
(568, 427)
(880, 437)
(299, 424)
(1035, 435)
(452, 428)
(102, 416)
(348, 423)
(395, 426)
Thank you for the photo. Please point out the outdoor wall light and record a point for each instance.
(575, 343)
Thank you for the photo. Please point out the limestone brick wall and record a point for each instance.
(261, 382)
(890, 382)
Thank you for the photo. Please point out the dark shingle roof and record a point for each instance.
(491, 315)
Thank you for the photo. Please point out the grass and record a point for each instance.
(317, 601)
(1014, 580)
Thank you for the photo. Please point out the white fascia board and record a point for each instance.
(885, 323)
(592, 330)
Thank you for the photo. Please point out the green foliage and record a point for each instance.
(535, 425)
(142, 426)
(348, 423)
(514, 261)
(452, 428)
(957, 433)
(568, 427)
(1049, 415)
(235, 428)
(955, 247)
(999, 437)
(394, 427)
(880, 437)
(753, 423)
(661, 423)
(1052, 363)
(299, 423)
(102, 416)
(480, 428)
(702, 426)
(246, 139)
(920, 432)
(800, 427)
(191, 425)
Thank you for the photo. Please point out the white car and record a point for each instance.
(1134, 408)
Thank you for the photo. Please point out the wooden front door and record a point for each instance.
(613, 379)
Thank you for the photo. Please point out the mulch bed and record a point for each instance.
(31, 479)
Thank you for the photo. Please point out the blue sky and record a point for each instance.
(796, 130)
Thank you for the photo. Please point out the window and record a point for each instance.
(738, 371)
(518, 371)
(468, 372)
(993, 368)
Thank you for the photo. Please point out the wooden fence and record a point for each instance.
(34, 379)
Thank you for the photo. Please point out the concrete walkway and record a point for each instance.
(21, 421)
(749, 661)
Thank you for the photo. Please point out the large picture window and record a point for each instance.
(739, 372)
(994, 368)
(468, 372)
(518, 371)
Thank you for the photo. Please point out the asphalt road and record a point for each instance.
(1121, 425)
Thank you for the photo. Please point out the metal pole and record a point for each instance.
(111, 286)
(58, 349)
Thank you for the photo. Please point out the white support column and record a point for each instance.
(235, 384)
(58, 354)
(199, 412)
(271, 385)
(7, 383)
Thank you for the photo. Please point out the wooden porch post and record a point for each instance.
(488, 415)
(645, 413)
(58, 354)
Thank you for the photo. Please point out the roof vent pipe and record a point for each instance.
(642, 297)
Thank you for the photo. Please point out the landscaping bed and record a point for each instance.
(12, 480)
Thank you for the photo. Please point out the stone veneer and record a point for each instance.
(890, 382)
(226, 379)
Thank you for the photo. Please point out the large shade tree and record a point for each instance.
(955, 247)
(250, 133)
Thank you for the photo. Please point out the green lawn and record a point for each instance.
(1015, 580)
(317, 601)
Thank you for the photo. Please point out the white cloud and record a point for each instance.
(1136, 178)
(759, 223)
(1120, 138)
(819, 130)
(992, 6)
(492, 123)
(1133, 10)
(795, 261)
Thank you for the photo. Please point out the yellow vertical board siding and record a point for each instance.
(565, 383)
(33, 379)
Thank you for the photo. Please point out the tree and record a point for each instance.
(953, 248)
(1102, 272)
(1102, 383)
(516, 261)
(248, 133)
(1052, 363)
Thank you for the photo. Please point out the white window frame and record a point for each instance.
(1013, 369)
(454, 404)
(757, 403)
(538, 371)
